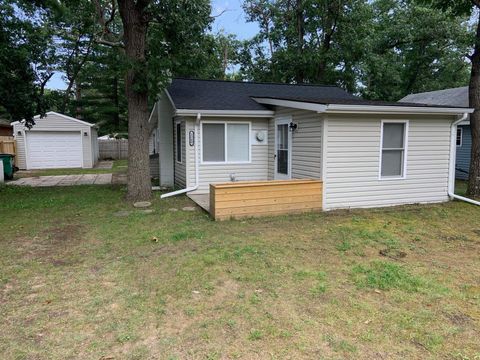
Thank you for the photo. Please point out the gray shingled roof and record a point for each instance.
(194, 94)
(5, 123)
(236, 95)
(358, 101)
(449, 97)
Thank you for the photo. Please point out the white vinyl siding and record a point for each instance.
(254, 170)
(306, 144)
(353, 156)
(55, 123)
(180, 167)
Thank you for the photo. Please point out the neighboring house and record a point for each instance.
(451, 97)
(366, 153)
(6, 129)
(56, 141)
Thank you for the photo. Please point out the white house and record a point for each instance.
(56, 141)
(366, 153)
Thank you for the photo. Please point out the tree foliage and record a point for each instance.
(381, 49)
(413, 48)
(26, 59)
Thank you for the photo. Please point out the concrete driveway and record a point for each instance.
(64, 180)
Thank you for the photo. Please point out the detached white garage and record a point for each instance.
(56, 141)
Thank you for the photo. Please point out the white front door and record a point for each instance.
(283, 149)
(54, 149)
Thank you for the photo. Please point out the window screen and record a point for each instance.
(393, 149)
(213, 142)
(179, 142)
(238, 142)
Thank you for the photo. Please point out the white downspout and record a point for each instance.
(453, 152)
(197, 170)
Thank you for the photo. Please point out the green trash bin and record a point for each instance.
(8, 167)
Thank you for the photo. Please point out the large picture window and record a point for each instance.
(393, 158)
(225, 142)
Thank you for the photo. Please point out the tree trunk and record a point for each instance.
(299, 16)
(474, 100)
(78, 101)
(116, 102)
(135, 30)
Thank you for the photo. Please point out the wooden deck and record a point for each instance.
(264, 198)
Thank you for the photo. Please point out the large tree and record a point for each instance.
(381, 49)
(305, 40)
(470, 8)
(27, 55)
(412, 48)
(150, 31)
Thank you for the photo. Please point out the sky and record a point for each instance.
(231, 21)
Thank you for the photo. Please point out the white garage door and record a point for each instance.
(54, 149)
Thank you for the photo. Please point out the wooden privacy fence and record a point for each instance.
(113, 149)
(263, 198)
(8, 145)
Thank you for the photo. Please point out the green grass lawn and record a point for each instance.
(119, 166)
(81, 278)
(461, 187)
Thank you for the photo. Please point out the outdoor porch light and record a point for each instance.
(292, 126)
(85, 133)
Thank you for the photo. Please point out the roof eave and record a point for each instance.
(61, 115)
(228, 113)
(385, 109)
(365, 109)
(291, 104)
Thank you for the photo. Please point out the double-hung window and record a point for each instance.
(225, 142)
(459, 136)
(393, 152)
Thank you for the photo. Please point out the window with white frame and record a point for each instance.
(226, 142)
(459, 136)
(394, 140)
(178, 142)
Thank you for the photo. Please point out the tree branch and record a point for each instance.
(104, 23)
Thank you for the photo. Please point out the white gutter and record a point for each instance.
(453, 151)
(381, 109)
(355, 109)
(221, 113)
(197, 170)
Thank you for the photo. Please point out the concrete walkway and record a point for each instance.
(64, 180)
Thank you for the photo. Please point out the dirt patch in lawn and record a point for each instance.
(55, 244)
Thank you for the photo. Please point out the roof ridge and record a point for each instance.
(254, 82)
(437, 91)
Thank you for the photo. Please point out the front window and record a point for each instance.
(226, 142)
(394, 135)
